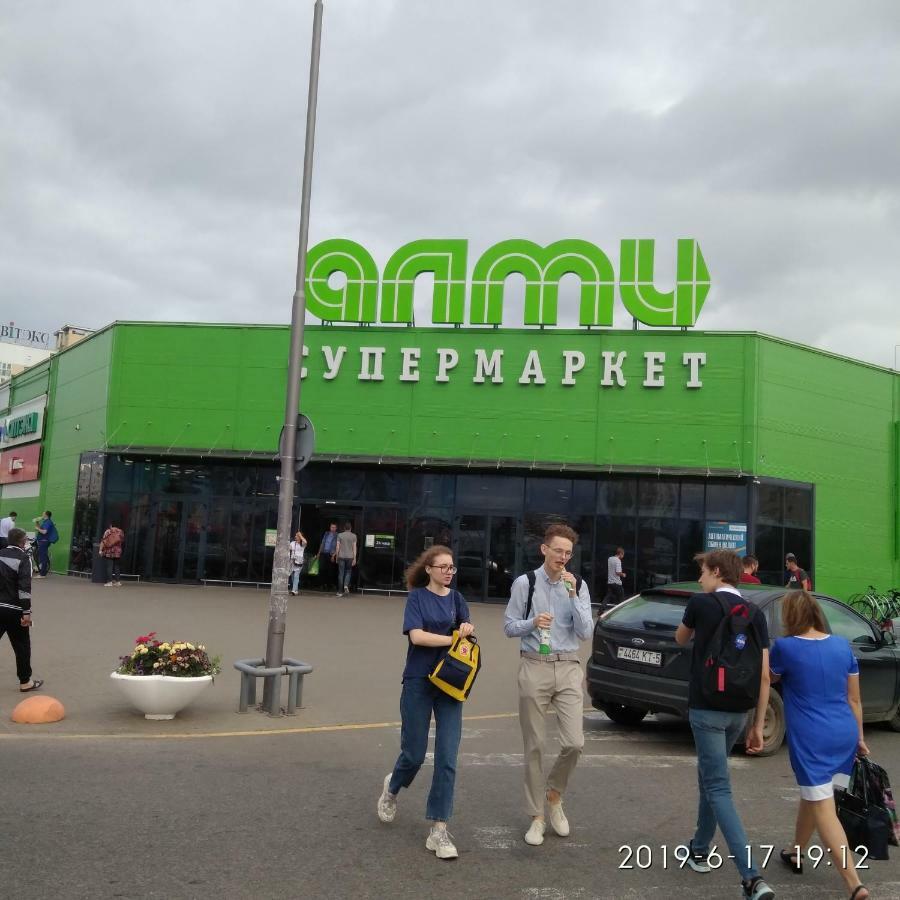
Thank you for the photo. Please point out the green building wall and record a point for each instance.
(766, 408)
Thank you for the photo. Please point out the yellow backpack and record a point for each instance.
(455, 673)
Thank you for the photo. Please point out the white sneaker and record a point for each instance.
(346, 590)
(558, 821)
(339, 594)
(387, 802)
(108, 584)
(440, 841)
(535, 833)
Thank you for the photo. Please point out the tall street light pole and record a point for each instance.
(278, 597)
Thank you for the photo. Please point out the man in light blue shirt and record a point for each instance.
(560, 606)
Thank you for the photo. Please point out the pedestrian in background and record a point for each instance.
(6, 523)
(111, 546)
(46, 535)
(561, 614)
(327, 553)
(820, 686)
(15, 605)
(798, 579)
(717, 728)
(298, 551)
(346, 558)
(433, 611)
(615, 592)
(750, 564)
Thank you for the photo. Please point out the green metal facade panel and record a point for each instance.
(76, 422)
(765, 407)
(31, 383)
(830, 422)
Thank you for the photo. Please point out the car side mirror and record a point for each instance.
(888, 638)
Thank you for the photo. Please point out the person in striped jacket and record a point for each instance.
(15, 605)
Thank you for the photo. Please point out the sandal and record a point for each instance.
(34, 686)
(794, 864)
(857, 889)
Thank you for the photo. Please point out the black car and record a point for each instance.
(636, 667)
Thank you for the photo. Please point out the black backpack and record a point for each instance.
(532, 580)
(732, 665)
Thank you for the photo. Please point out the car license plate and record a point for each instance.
(648, 657)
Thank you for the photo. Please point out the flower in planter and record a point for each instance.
(179, 658)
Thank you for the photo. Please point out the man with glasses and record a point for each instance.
(551, 599)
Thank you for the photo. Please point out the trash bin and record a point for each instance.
(98, 567)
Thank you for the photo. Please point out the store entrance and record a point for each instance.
(486, 549)
(178, 531)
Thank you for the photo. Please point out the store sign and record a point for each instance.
(727, 536)
(490, 364)
(21, 464)
(271, 537)
(344, 285)
(28, 335)
(24, 423)
(380, 541)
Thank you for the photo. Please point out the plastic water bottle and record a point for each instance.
(544, 634)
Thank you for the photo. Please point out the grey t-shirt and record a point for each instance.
(346, 548)
(613, 568)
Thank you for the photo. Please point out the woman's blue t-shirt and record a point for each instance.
(430, 612)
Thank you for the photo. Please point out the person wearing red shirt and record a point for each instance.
(748, 576)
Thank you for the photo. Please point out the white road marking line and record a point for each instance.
(498, 837)
(591, 761)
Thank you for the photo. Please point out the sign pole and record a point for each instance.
(278, 596)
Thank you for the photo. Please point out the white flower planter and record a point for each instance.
(160, 696)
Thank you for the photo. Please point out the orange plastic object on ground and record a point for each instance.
(38, 710)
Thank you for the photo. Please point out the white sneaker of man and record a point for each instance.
(440, 843)
(558, 821)
(535, 833)
(387, 802)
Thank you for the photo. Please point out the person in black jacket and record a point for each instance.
(15, 605)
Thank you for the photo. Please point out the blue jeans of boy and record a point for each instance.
(43, 549)
(715, 733)
(418, 700)
(345, 570)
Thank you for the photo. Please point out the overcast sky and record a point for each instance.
(150, 153)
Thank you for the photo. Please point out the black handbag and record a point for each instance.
(866, 823)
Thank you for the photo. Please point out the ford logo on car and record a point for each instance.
(637, 640)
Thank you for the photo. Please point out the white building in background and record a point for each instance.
(15, 358)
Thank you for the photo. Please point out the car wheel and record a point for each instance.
(773, 727)
(624, 715)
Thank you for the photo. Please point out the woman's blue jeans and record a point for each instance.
(295, 578)
(419, 699)
(715, 733)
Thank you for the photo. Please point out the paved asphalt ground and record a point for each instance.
(214, 804)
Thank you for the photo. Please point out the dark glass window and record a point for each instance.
(584, 496)
(387, 485)
(726, 502)
(657, 544)
(770, 498)
(798, 507)
(799, 542)
(551, 494)
(433, 490)
(490, 492)
(770, 554)
(657, 497)
(119, 474)
(691, 500)
(690, 542)
(617, 497)
(267, 481)
(612, 532)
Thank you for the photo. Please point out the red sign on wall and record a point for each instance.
(20, 464)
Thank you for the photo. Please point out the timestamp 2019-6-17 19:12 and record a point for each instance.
(646, 856)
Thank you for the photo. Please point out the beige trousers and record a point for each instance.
(542, 685)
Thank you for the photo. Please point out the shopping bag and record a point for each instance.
(865, 823)
(313, 567)
(880, 790)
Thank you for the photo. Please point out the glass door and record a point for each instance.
(487, 556)
(166, 523)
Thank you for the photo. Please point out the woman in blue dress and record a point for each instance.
(433, 611)
(820, 681)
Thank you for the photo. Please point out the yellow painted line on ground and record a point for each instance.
(309, 729)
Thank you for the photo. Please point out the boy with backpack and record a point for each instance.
(729, 676)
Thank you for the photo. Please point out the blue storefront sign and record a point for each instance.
(727, 536)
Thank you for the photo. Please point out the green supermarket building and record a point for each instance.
(662, 442)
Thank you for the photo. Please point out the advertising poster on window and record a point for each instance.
(727, 536)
